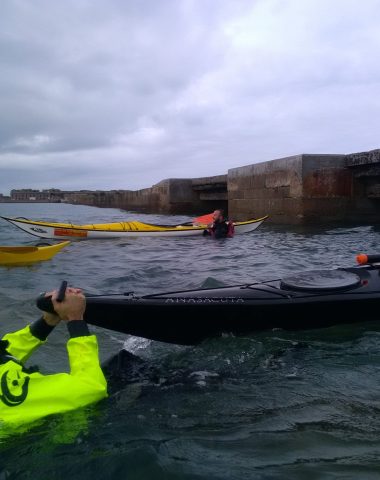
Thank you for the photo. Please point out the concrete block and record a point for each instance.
(362, 158)
(299, 189)
(327, 183)
(280, 178)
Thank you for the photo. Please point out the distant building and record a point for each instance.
(30, 195)
(4, 198)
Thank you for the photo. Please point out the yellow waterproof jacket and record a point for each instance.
(26, 397)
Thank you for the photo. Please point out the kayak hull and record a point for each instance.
(62, 231)
(189, 317)
(190, 325)
(24, 255)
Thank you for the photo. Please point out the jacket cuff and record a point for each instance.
(78, 328)
(40, 329)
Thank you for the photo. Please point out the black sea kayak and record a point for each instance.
(308, 300)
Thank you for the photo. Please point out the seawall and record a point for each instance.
(306, 188)
(172, 196)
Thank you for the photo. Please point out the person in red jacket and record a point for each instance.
(220, 226)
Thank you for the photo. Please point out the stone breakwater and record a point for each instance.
(173, 196)
(293, 190)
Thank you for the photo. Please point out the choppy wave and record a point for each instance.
(277, 405)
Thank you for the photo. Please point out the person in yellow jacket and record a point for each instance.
(25, 396)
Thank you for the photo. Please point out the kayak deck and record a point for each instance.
(191, 316)
(132, 226)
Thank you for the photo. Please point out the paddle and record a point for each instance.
(204, 219)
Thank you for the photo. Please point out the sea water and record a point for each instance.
(273, 405)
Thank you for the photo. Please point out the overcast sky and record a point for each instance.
(106, 94)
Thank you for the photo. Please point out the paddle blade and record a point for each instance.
(203, 220)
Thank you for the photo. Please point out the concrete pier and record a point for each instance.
(298, 189)
(293, 190)
(173, 196)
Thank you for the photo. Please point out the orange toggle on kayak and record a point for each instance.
(364, 259)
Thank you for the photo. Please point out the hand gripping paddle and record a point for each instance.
(45, 303)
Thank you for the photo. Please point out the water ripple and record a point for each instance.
(276, 405)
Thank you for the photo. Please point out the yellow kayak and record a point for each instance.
(27, 255)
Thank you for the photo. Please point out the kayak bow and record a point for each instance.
(21, 255)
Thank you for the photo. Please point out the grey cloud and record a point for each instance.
(115, 94)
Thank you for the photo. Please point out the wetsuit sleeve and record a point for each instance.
(21, 344)
(84, 360)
